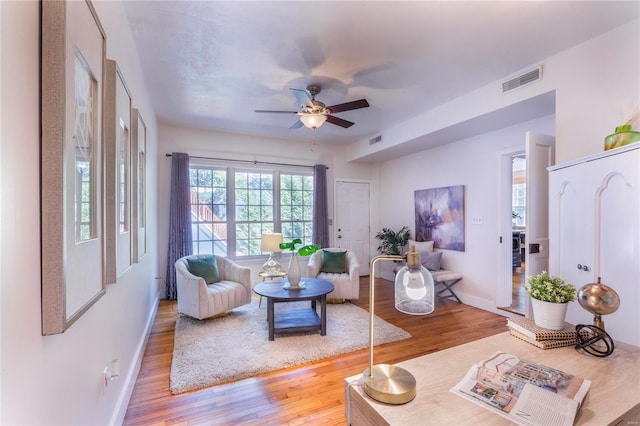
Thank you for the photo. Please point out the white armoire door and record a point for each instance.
(594, 216)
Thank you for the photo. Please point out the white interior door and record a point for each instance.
(540, 153)
(352, 220)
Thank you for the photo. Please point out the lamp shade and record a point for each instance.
(313, 121)
(414, 287)
(271, 242)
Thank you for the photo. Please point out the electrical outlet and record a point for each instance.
(476, 220)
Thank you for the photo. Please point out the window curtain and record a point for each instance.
(180, 242)
(320, 233)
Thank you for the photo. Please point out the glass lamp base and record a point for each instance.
(271, 266)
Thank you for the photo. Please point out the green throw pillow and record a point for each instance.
(334, 262)
(205, 267)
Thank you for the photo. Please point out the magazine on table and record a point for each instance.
(522, 391)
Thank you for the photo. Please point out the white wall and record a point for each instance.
(57, 379)
(202, 143)
(474, 163)
(594, 83)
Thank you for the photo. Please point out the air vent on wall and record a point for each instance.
(522, 80)
(375, 140)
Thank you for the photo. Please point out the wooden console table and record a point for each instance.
(614, 397)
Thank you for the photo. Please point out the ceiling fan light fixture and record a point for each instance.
(313, 121)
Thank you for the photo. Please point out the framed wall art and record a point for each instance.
(139, 185)
(117, 142)
(440, 216)
(72, 77)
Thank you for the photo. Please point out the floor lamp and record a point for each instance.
(414, 295)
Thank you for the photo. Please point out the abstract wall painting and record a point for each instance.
(440, 216)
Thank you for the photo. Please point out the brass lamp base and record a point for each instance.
(389, 384)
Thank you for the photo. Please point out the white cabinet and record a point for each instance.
(594, 226)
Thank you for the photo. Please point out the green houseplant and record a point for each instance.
(392, 242)
(550, 297)
(550, 289)
(293, 274)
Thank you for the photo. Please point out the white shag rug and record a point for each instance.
(237, 346)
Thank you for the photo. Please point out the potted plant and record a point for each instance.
(550, 297)
(392, 242)
(293, 274)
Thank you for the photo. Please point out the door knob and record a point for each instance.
(339, 236)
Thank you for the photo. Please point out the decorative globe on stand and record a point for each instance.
(599, 299)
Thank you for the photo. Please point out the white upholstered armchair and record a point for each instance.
(200, 300)
(346, 283)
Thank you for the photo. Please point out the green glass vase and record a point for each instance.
(623, 136)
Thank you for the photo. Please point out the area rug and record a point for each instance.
(237, 346)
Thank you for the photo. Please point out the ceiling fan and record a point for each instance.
(314, 113)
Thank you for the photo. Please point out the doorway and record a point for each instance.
(352, 219)
(519, 231)
(524, 219)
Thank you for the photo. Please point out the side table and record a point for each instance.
(271, 275)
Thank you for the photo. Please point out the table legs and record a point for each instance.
(270, 319)
(323, 314)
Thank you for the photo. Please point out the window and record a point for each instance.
(296, 207)
(209, 210)
(262, 201)
(518, 203)
(254, 205)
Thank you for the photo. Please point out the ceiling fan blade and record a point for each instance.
(348, 106)
(281, 112)
(303, 97)
(296, 125)
(339, 121)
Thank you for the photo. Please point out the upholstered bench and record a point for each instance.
(444, 281)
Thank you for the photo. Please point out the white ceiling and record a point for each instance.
(210, 64)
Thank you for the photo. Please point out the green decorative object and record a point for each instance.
(205, 267)
(392, 242)
(334, 262)
(302, 251)
(623, 135)
(294, 274)
(550, 289)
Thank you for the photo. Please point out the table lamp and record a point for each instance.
(271, 243)
(414, 295)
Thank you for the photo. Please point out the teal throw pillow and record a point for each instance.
(334, 262)
(205, 267)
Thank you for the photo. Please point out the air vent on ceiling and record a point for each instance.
(375, 140)
(522, 80)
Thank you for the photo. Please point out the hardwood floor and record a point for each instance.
(311, 393)
(519, 294)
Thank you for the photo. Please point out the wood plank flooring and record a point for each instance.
(309, 394)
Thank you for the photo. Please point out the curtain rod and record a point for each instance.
(248, 161)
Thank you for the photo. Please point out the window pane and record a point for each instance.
(208, 210)
(254, 210)
(296, 206)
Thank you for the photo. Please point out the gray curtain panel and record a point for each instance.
(180, 242)
(320, 211)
